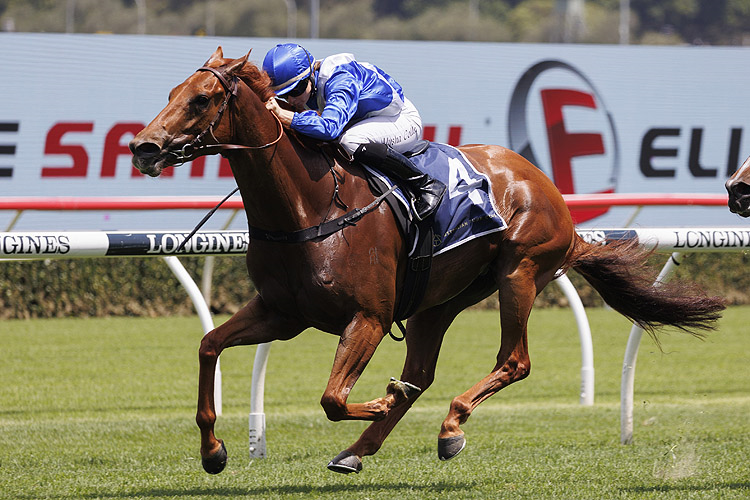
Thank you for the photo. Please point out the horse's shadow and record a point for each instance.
(266, 491)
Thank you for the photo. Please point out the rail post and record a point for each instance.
(627, 381)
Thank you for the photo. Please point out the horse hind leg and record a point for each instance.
(517, 293)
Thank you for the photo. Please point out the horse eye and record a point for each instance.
(201, 101)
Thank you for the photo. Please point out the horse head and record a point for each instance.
(738, 187)
(193, 117)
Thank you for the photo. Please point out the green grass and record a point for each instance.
(104, 408)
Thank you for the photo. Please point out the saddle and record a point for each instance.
(466, 213)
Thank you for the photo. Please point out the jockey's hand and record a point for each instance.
(284, 115)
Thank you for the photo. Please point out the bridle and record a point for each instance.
(189, 151)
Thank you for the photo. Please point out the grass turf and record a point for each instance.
(104, 408)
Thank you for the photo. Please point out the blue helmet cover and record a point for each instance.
(287, 64)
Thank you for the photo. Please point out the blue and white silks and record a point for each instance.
(347, 91)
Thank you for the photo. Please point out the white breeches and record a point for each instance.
(400, 131)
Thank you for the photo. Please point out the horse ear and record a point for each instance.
(237, 64)
(218, 54)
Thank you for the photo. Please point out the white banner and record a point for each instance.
(56, 244)
(630, 119)
(18, 245)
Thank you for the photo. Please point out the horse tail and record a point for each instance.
(620, 274)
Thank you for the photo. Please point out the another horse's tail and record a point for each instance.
(618, 271)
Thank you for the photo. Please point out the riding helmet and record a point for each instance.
(287, 64)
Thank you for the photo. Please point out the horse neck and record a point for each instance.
(281, 190)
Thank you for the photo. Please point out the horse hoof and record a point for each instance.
(450, 447)
(345, 462)
(216, 462)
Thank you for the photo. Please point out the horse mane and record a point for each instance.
(257, 79)
(260, 83)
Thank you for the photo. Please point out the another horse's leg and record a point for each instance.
(253, 324)
(517, 294)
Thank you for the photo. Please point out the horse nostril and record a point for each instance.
(145, 149)
(739, 189)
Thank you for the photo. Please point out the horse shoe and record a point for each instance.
(217, 461)
(450, 447)
(345, 462)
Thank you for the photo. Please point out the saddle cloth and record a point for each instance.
(467, 210)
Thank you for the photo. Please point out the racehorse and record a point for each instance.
(348, 282)
(738, 187)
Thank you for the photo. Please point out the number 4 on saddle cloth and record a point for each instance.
(466, 212)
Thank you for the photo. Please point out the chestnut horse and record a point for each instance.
(349, 282)
(738, 187)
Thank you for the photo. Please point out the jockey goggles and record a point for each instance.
(298, 89)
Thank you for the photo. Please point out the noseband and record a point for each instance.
(189, 150)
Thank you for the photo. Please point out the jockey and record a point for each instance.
(357, 104)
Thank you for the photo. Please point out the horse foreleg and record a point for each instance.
(213, 451)
(355, 349)
(253, 324)
(424, 336)
(517, 293)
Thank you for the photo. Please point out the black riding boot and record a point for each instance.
(426, 191)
